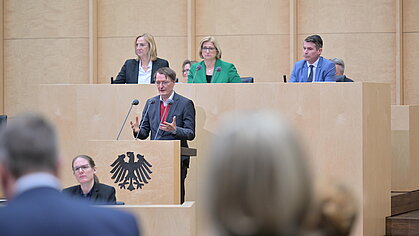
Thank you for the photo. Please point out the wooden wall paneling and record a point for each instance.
(242, 18)
(346, 17)
(45, 19)
(410, 19)
(294, 50)
(254, 37)
(377, 157)
(125, 18)
(410, 51)
(410, 68)
(366, 42)
(350, 159)
(405, 137)
(399, 93)
(191, 31)
(166, 20)
(52, 48)
(93, 42)
(1, 68)
(41, 61)
(2, 57)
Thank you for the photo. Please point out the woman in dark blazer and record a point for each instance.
(212, 69)
(141, 70)
(84, 170)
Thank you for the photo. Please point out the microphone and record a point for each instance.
(145, 114)
(133, 103)
(198, 68)
(169, 102)
(218, 69)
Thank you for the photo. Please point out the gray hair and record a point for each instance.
(258, 183)
(339, 62)
(28, 144)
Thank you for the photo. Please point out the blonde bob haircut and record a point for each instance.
(152, 53)
(212, 40)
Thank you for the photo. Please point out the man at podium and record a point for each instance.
(168, 116)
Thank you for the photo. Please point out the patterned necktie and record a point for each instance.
(310, 77)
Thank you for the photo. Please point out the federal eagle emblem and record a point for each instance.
(132, 173)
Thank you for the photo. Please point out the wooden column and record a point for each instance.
(293, 33)
(191, 29)
(93, 42)
(399, 53)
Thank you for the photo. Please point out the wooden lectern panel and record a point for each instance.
(162, 165)
(344, 128)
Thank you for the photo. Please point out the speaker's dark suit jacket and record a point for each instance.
(325, 71)
(129, 71)
(46, 211)
(184, 110)
(101, 193)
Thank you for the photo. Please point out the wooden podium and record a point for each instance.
(142, 172)
(345, 129)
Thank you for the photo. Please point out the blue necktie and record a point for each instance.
(310, 77)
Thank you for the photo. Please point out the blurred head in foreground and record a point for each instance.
(258, 181)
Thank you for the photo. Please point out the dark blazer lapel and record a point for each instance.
(78, 190)
(135, 72)
(173, 108)
(155, 116)
(95, 191)
(154, 65)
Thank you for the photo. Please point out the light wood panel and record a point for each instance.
(46, 19)
(164, 219)
(348, 140)
(126, 18)
(410, 16)
(410, 66)
(405, 148)
(346, 16)
(377, 167)
(163, 187)
(236, 17)
(41, 61)
(1, 60)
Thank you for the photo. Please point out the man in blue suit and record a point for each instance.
(314, 68)
(29, 163)
(168, 116)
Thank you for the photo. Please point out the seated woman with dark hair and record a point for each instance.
(84, 170)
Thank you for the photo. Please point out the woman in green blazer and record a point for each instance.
(212, 69)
